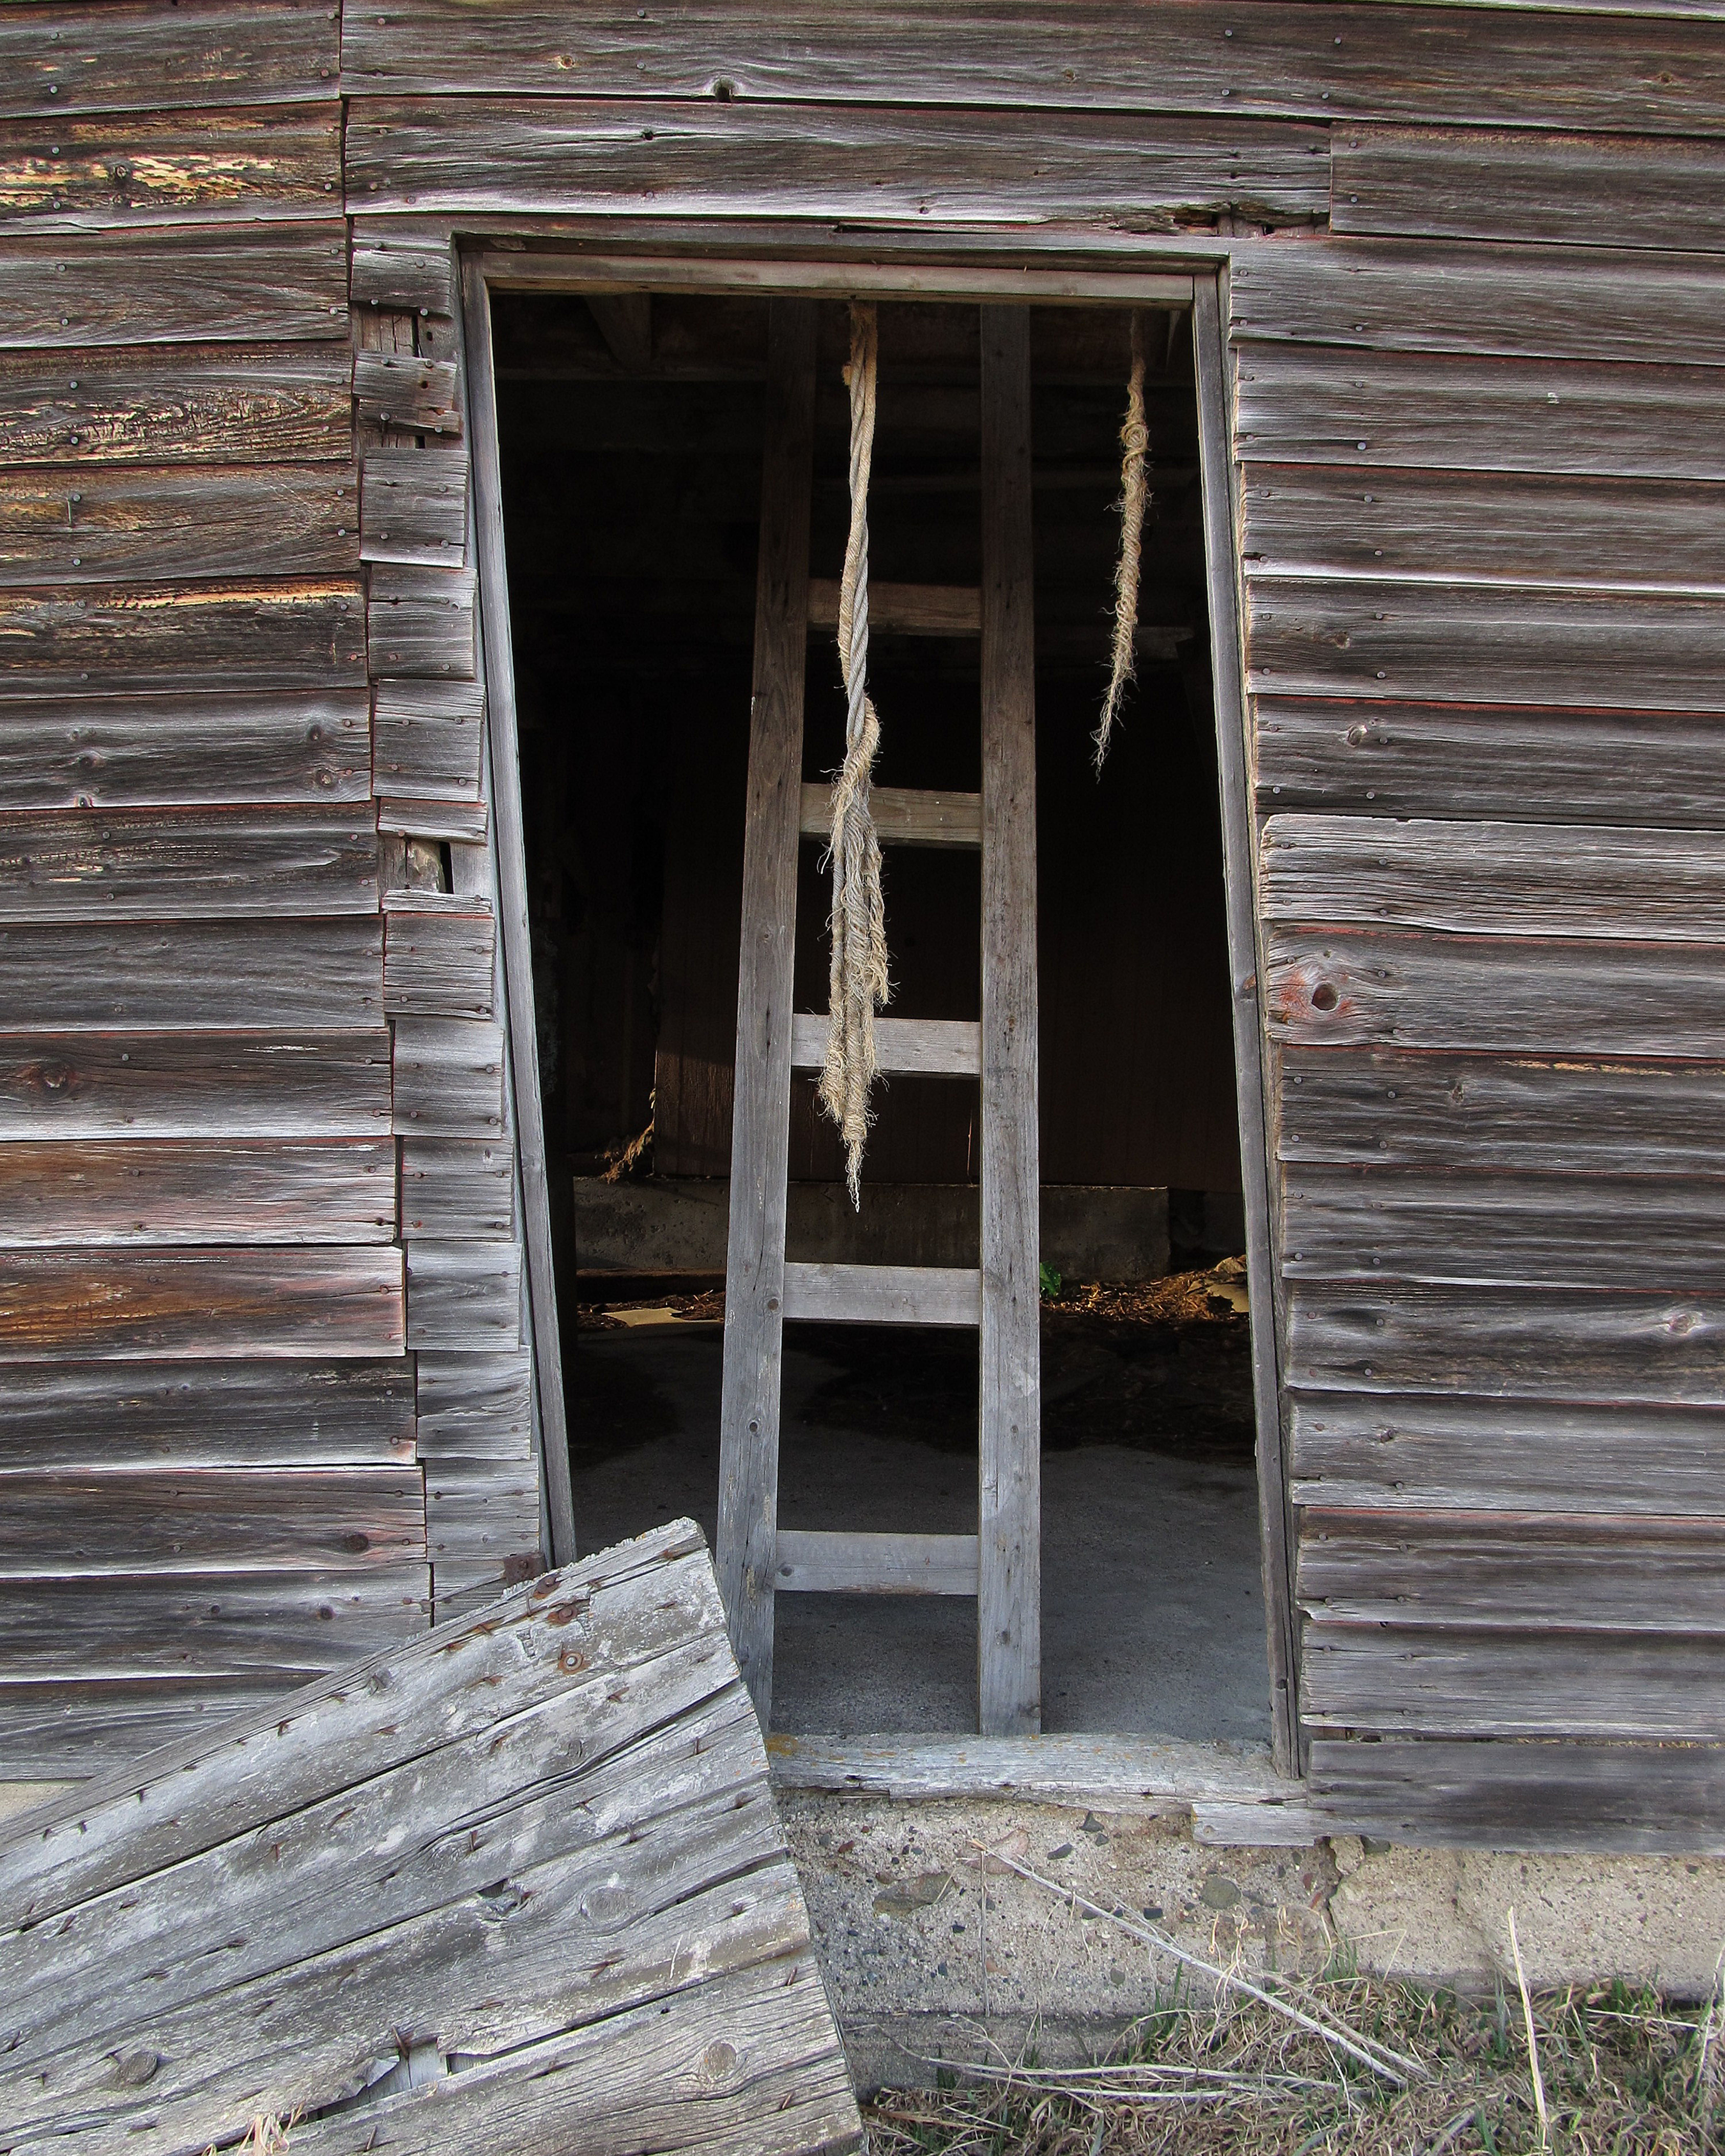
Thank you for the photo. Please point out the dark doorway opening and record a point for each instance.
(631, 438)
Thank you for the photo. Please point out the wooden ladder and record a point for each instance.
(1001, 1564)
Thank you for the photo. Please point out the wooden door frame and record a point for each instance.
(1167, 279)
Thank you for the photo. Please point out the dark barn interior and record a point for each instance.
(632, 444)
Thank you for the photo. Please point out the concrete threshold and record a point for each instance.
(1235, 1797)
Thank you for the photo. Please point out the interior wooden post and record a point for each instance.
(760, 1126)
(1009, 1592)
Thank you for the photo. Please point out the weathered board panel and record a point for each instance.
(194, 1086)
(1443, 412)
(1517, 1230)
(1474, 527)
(475, 1406)
(1320, 62)
(1471, 183)
(149, 286)
(52, 1729)
(206, 1414)
(1510, 1684)
(399, 264)
(1507, 1116)
(1350, 989)
(464, 155)
(132, 57)
(1517, 763)
(429, 739)
(1551, 1795)
(1547, 1343)
(209, 404)
(60, 172)
(156, 523)
(414, 507)
(119, 1192)
(395, 389)
(463, 1296)
(84, 1306)
(640, 1900)
(262, 635)
(142, 752)
(167, 1519)
(449, 1078)
(439, 964)
(461, 1187)
(423, 623)
(156, 1625)
(178, 863)
(1385, 296)
(1494, 879)
(1489, 1572)
(1389, 1455)
(194, 976)
(1485, 644)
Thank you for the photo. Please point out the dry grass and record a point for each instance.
(1623, 2073)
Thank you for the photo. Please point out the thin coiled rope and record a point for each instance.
(1134, 500)
(859, 984)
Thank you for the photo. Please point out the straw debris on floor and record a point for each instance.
(1622, 2072)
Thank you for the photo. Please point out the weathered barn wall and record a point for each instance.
(1477, 468)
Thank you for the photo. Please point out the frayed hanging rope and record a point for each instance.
(1134, 500)
(858, 983)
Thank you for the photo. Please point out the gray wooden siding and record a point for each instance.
(1483, 583)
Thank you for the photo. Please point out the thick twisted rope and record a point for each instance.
(1134, 500)
(859, 985)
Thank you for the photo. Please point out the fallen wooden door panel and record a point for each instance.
(532, 1853)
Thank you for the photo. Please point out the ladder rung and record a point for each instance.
(814, 1563)
(910, 609)
(904, 1047)
(904, 815)
(885, 1294)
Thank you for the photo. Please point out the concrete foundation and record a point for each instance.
(926, 1959)
(679, 1224)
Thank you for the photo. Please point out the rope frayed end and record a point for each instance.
(1134, 501)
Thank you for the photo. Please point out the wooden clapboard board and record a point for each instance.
(519, 1885)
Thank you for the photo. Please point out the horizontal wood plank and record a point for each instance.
(904, 815)
(455, 1187)
(1551, 1795)
(105, 1625)
(1483, 644)
(202, 404)
(464, 1297)
(928, 1047)
(130, 57)
(1585, 1345)
(1518, 1230)
(87, 1307)
(1323, 405)
(429, 739)
(397, 389)
(1325, 62)
(1510, 1116)
(1522, 303)
(474, 155)
(463, 823)
(119, 1194)
(147, 1086)
(414, 507)
(829, 1564)
(1515, 764)
(440, 964)
(1489, 1572)
(421, 622)
(166, 1520)
(141, 1415)
(1346, 988)
(65, 173)
(1478, 183)
(1432, 1456)
(397, 266)
(287, 283)
(883, 1295)
(177, 863)
(449, 1078)
(1508, 1684)
(152, 524)
(194, 976)
(66, 1728)
(1479, 879)
(1325, 522)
